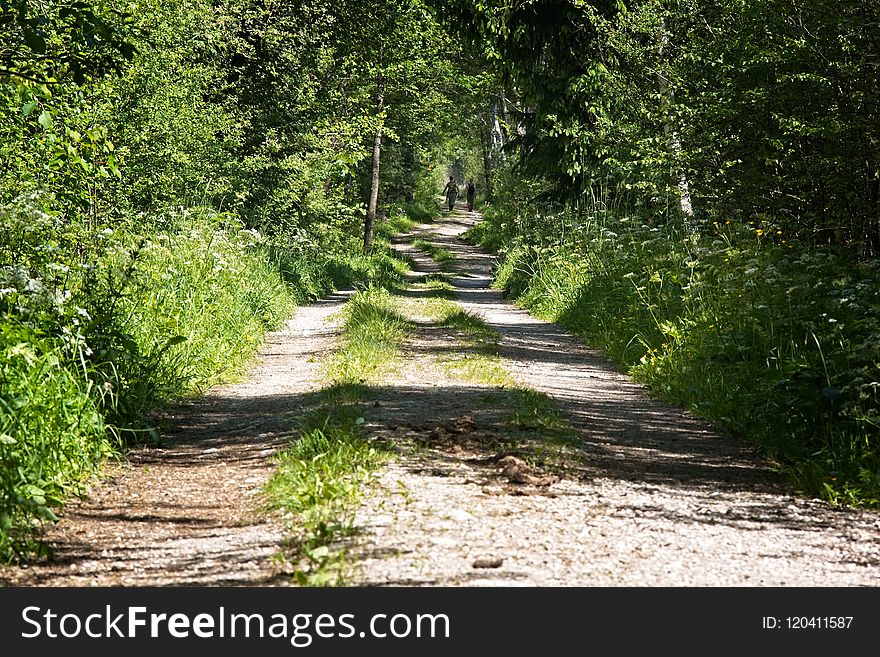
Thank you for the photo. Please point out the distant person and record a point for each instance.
(451, 193)
(470, 192)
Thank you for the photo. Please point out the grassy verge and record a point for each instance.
(772, 342)
(52, 437)
(322, 475)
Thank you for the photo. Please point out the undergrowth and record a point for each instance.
(772, 341)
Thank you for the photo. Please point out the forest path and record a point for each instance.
(630, 493)
(189, 513)
(646, 495)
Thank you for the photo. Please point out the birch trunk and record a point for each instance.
(673, 141)
(370, 221)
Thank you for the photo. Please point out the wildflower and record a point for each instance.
(34, 285)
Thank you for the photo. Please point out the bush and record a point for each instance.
(51, 435)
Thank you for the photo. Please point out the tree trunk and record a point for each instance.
(487, 161)
(370, 221)
(673, 141)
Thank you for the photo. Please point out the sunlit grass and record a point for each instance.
(373, 334)
(444, 257)
(317, 483)
(322, 476)
(774, 343)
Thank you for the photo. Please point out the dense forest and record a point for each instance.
(693, 187)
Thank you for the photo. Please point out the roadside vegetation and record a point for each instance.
(772, 341)
(159, 212)
(693, 187)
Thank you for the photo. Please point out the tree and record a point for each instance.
(43, 42)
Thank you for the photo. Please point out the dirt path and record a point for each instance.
(639, 494)
(649, 497)
(189, 513)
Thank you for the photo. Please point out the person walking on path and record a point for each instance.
(470, 192)
(451, 193)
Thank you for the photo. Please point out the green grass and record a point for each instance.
(52, 438)
(444, 257)
(322, 476)
(477, 361)
(536, 411)
(318, 482)
(124, 324)
(424, 211)
(216, 292)
(133, 324)
(533, 415)
(435, 286)
(473, 327)
(373, 334)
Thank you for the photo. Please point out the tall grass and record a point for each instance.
(52, 436)
(772, 341)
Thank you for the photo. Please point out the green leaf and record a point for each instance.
(128, 50)
(46, 513)
(319, 553)
(45, 120)
(128, 344)
(34, 41)
(28, 108)
(177, 339)
(33, 491)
